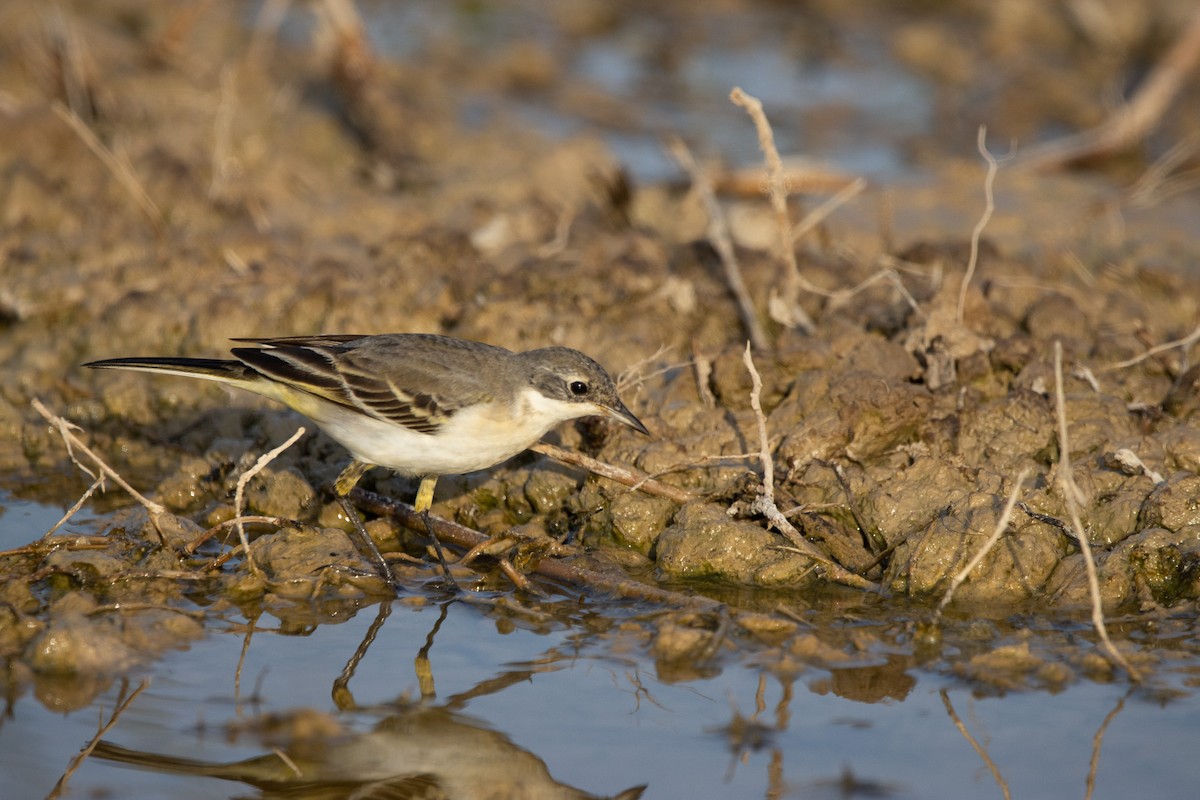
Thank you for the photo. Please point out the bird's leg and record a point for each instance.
(342, 487)
(422, 505)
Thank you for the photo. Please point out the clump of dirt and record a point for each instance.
(162, 196)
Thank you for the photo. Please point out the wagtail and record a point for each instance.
(420, 404)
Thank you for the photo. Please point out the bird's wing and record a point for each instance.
(382, 376)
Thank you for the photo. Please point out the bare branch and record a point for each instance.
(785, 306)
(718, 235)
(1072, 495)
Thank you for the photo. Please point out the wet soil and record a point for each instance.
(170, 180)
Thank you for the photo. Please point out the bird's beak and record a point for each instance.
(623, 415)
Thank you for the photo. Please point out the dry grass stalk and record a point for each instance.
(238, 493)
(990, 206)
(118, 166)
(1074, 497)
(98, 483)
(623, 475)
(764, 503)
(702, 366)
(464, 538)
(66, 431)
(718, 235)
(1137, 118)
(275, 522)
(1183, 343)
(976, 746)
(1001, 526)
(1160, 181)
(785, 304)
(819, 214)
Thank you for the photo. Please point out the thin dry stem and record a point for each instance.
(96, 484)
(718, 236)
(703, 367)
(1074, 497)
(1001, 526)
(989, 181)
(65, 430)
(786, 308)
(118, 166)
(819, 214)
(1184, 343)
(1134, 120)
(764, 503)
(191, 547)
(623, 475)
(842, 296)
(262, 462)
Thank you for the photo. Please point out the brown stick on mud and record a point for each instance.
(626, 476)
(465, 538)
(785, 305)
(722, 242)
(1136, 118)
(1074, 498)
(764, 503)
(158, 513)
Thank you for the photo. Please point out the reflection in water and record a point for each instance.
(419, 751)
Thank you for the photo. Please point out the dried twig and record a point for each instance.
(262, 462)
(764, 502)
(1136, 118)
(65, 430)
(702, 365)
(1001, 526)
(624, 475)
(819, 214)
(96, 484)
(989, 207)
(1184, 343)
(785, 305)
(1074, 497)
(718, 235)
(119, 167)
(276, 522)
(464, 538)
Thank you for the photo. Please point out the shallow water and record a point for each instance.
(582, 691)
(603, 720)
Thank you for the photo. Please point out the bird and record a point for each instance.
(416, 753)
(422, 405)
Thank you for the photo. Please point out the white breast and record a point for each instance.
(472, 439)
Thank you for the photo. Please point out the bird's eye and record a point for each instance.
(578, 388)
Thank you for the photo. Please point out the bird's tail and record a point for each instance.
(213, 369)
(139, 758)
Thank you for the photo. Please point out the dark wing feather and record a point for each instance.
(373, 379)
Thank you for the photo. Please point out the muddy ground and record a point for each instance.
(171, 180)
